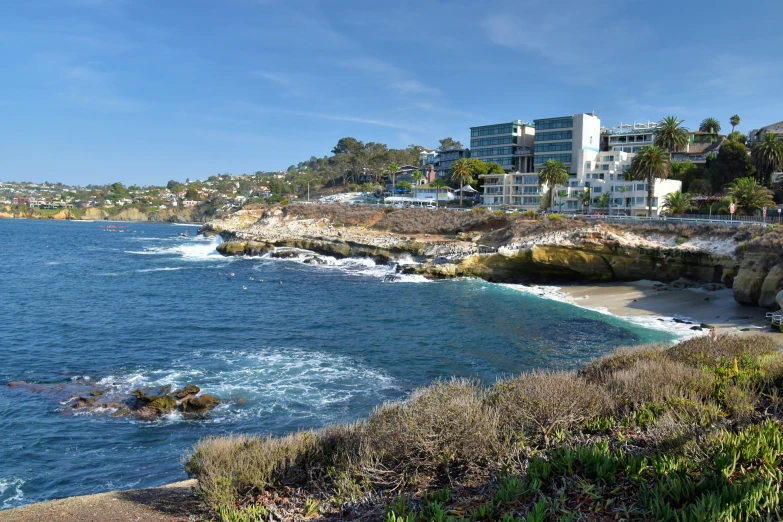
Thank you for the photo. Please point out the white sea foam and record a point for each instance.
(291, 379)
(11, 491)
(193, 249)
(654, 322)
(359, 266)
(162, 269)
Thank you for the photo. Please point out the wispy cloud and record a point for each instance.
(326, 116)
(391, 76)
(413, 87)
(290, 86)
(563, 33)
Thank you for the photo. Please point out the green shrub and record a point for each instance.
(643, 434)
(530, 214)
(500, 212)
(555, 217)
(442, 428)
(540, 402)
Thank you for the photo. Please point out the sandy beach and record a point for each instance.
(711, 307)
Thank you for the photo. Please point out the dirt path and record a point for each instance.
(173, 503)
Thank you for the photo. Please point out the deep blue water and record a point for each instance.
(326, 345)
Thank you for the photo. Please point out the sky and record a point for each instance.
(144, 91)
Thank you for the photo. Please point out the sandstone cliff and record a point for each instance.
(168, 215)
(509, 249)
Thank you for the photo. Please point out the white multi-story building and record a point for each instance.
(577, 142)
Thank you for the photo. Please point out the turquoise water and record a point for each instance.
(326, 345)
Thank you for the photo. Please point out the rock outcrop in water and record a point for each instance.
(512, 250)
(82, 394)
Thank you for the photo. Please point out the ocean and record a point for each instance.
(297, 346)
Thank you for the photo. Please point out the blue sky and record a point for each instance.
(143, 91)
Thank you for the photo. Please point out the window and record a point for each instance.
(553, 136)
(596, 190)
(641, 186)
(604, 167)
(531, 200)
(532, 190)
(490, 131)
(561, 123)
(553, 147)
(483, 142)
(588, 165)
(538, 159)
(531, 180)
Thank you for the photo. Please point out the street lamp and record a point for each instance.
(308, 190)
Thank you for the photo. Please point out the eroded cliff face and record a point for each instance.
(168, 215)
(594, 253)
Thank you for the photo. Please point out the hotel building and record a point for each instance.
(578, 141)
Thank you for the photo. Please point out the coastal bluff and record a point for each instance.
(512, 249)
(168, 215)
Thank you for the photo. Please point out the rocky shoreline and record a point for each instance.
(574, 252)
(188, 215)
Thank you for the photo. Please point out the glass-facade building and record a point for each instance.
(501, 143)
(553, 140)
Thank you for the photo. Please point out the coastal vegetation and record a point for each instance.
(649, 164)
(553, 174)
(685, 432)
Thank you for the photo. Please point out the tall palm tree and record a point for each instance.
(710, 125)
(623, 189)
(417, 177)
(553, 173)
(670, 135)
(437, 184)
(734, 120)
(749, 196)
(649, 164)
(677, 203)
(767, 156)
(393, 168)
(461, 174)
(584, 198)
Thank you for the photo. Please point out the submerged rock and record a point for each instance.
(190, 389)
(16, 383)
(199, 404)
(146, 403)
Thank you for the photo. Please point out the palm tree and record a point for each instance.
(767, 156)
(553, 173)
(623, 189)
(603, 200)
(417, 177)
(561, 194)
(437, 184)
(649, 164)
(710, 125)
(393, 168)
(749, 196)
(670, 135)
(677, 203)
(461, 174)
(734, 120)
(584, 198)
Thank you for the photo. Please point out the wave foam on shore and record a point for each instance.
(358, 266)
(652, 321)
(11, 491)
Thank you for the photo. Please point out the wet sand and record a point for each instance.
(714, 308)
